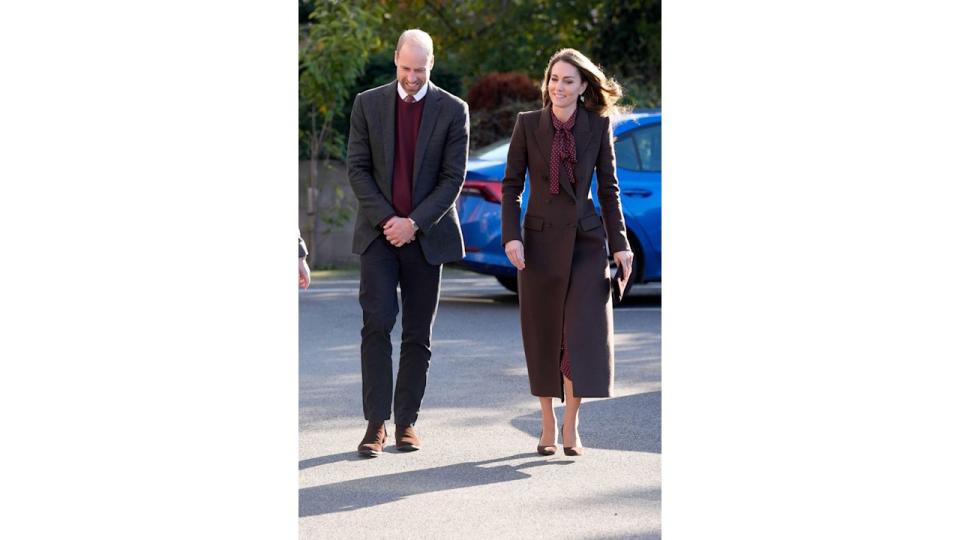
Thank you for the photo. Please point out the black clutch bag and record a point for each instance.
(617, 285)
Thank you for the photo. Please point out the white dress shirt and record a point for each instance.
(416, 97)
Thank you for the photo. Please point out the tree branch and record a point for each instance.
(441, 15)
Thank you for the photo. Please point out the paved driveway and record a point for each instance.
(478, 475)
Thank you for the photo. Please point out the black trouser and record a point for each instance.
(382, 267)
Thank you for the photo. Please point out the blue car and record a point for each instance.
(637, 148)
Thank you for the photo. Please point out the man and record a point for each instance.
(406, 159)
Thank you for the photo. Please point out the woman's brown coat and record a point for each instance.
(566, 279)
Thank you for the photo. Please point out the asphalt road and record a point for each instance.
(478, 474)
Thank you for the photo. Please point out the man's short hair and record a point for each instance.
(418, 37)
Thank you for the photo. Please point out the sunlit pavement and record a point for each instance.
(478, 474)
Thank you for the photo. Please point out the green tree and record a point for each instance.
(334, 47)
(626, 42)
(478, 37)
(481, 36)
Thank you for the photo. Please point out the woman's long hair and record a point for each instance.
(601, 94)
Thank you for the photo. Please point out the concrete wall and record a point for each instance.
(330, 246)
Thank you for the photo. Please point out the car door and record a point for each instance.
(638, 169)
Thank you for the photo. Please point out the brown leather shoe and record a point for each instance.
(407, 440)
(373, 440)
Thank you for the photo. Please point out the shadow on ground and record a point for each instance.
(373, 491)
(640, 300)
(649, 536)
(643, 299)
(622, 423)
(332, 458)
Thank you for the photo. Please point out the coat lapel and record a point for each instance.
(545, 135)
(388, 110)
(431, 111)
(584, 131)
(545, 143)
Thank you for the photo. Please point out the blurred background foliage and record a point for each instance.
(491, 53)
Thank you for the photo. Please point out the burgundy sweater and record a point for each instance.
(407, 127)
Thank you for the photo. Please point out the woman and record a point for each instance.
(566, 313)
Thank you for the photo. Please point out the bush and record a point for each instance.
(494, 90)
(494, 100)
(490, 126)
(638, 93)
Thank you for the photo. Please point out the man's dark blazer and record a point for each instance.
(439, 166)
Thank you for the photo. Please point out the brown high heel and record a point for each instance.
(571, 450)
(547, 450)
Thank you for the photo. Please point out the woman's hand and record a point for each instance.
(304, 274)
(514, 251)
(624, 259)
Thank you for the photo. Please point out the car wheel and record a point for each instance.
(510, 282)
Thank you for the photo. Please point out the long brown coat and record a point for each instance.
(566, 279)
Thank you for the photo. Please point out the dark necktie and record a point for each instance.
(408, 99)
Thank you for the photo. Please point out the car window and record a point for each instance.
(626, 151)
(639, 150)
